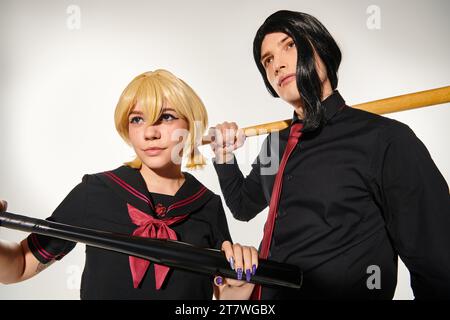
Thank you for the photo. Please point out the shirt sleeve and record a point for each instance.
(417, 213)
(243, 196)
(71, 211)
(219, 226)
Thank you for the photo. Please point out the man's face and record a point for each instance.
(279, 58)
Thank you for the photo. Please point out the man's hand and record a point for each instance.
(227, 138)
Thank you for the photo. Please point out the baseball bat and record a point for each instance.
(388, 105)
(170, 253)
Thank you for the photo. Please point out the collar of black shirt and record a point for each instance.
(130, 186)
(332, 105)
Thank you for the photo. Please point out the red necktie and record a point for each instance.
(149, 227)
(294, 136)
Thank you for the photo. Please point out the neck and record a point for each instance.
(326, 92)
(299, 110)
(164, 181)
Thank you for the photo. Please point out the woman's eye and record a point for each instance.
(167, 117)
(291, 44)
(136, 120)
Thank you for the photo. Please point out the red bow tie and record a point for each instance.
(149, 227)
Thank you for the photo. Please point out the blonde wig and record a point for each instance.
(152, 90)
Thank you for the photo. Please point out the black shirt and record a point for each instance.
(100, 202)
(356, 193)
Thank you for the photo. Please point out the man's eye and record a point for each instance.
(136, 120)
(267, 62)
(167, 117)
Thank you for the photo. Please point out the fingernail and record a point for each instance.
(253, 269)
(219, 281)
(239, 273)
(232, 263)
(248, 275)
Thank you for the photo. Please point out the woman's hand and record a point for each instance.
(227, 138)
(3, 205)
(244, 260)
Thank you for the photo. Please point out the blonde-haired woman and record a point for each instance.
(161, 117)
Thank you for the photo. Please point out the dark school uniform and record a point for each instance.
(356, 194)
(107, 201)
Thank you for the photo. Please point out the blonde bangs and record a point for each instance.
(140, 91)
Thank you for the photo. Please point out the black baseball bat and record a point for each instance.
(170, 253)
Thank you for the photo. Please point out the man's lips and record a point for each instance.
(285, 79)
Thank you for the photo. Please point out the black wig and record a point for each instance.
(309, 35)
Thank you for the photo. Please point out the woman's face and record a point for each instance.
(159, 145)
(279, 58)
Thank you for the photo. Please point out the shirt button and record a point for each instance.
(289, 177)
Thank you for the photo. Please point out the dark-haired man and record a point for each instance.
(351, 192)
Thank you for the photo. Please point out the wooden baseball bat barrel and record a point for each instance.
(169, 253)
(389, 105)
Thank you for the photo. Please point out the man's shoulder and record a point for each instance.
(387, 127)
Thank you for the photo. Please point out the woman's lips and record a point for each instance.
(153, 151)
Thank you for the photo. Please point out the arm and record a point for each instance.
(244, 196)
(416, 205)
(243, 258)
(17, 263)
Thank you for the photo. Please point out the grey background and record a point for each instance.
(59, 88)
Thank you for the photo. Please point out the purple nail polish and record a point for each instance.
(239, 273)
(219, 281)
(248, 275)
(232, 263)
(253, 269)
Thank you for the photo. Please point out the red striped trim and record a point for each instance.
(129, 188)
(143, 197)
(47, 255)
(187, 200)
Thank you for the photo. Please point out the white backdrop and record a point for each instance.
(65, 63)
